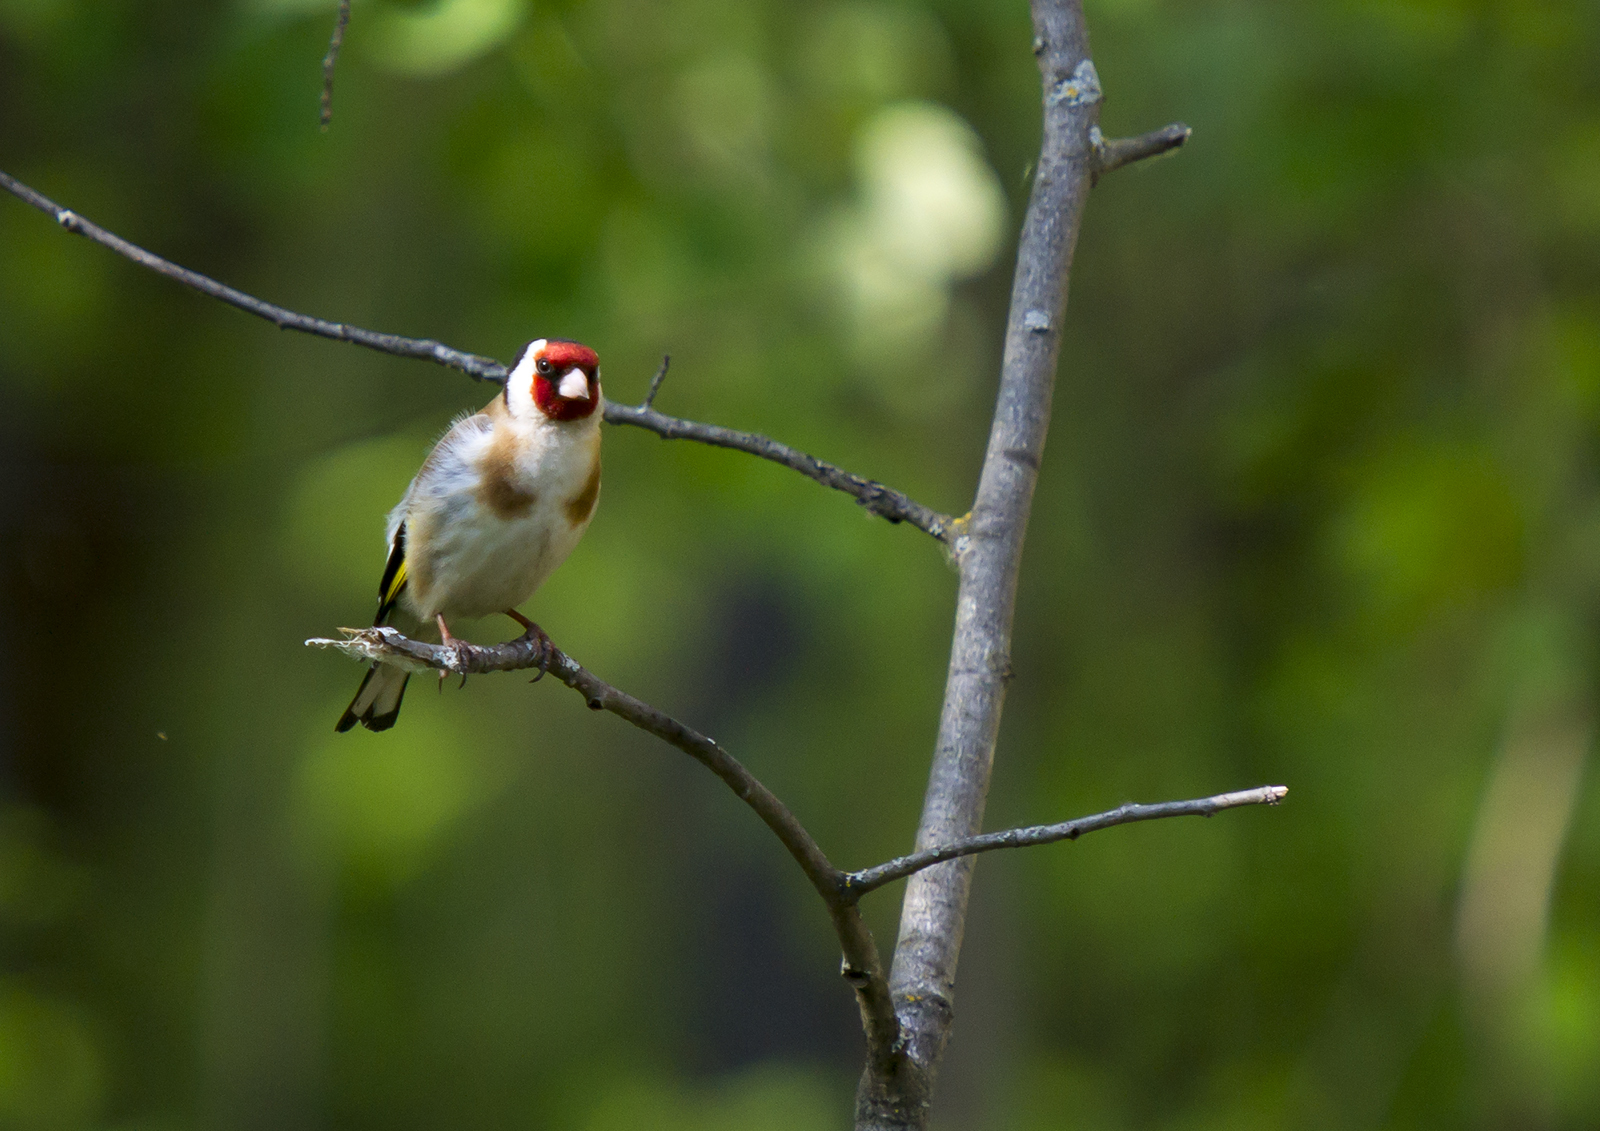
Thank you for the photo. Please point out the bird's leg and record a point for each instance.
(461, 648)
(546, 649)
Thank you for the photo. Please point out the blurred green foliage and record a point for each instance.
(1321, 507)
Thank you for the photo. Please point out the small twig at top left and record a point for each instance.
(331, 60)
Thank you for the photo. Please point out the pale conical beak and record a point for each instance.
(574, 385)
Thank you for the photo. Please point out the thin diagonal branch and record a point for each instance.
(883, 501)
(483, 368)
(862, 967)
(331, 60)
(893, 505)
(870, 879)
(1111, 154)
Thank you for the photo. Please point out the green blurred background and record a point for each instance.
(1321, 507)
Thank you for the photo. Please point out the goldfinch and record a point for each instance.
(498, 504)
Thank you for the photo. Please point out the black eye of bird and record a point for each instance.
(544, 367)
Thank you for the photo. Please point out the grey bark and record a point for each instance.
(988, 553)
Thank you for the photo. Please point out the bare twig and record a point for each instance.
(331, 60)
(655, 382)
(1111, 154)
(870, 879)
(884, 501)
(861, 967)
(483, 368)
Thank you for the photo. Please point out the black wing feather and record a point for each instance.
(394, 576)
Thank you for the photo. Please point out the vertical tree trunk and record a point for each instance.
(988, 551)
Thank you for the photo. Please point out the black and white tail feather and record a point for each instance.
(377, 702)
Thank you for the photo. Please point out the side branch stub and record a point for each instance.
(858, 884)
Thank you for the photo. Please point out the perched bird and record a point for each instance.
(498, 504)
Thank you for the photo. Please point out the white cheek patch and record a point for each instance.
(574, 385)
(519, 385)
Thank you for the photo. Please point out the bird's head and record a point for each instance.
(553, 376)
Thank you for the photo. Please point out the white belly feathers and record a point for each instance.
(497, 507)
